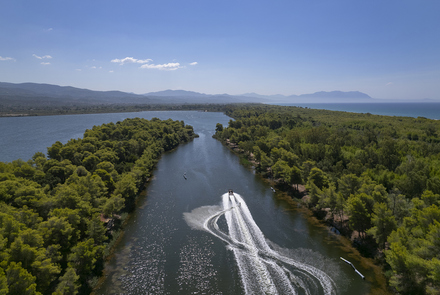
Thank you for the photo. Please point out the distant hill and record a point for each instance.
(37, 94)
(33, 95)
(171, 93)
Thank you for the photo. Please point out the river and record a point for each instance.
(190, 236)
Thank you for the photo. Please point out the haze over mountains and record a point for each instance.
(33, 94)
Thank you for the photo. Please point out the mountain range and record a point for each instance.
(33, 95)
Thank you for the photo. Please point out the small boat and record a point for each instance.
(272, 189)
(230, 192)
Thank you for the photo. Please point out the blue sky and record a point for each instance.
(389, 49)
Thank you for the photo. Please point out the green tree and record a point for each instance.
(360, 217)
(318, 177)
(96, 230)
(329, 199)
(265, 163)
(114, 204)
(348, 185)
(281, 170)
(126, 187)
(57, 230)
(45, 271)
(84, 257)
(383, 222)
(3, 283)
(295, 176)
(314, 193)
(54, 151)
(20, 281)
(68, 284)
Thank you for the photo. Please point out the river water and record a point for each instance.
(190, 236)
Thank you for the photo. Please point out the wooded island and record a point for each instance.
(59, 215)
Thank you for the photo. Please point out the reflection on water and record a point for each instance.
(196, 270)
(263, 270)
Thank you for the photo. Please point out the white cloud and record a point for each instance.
(111, 71)
(167, 67)
(131, 60)
(42, 57)
(147, 65)
(50, 29)
(93, 67)
(193, 63)
(6, 58)
(79, 70)
(45, 63)
(389, 83)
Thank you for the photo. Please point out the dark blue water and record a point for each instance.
(413, 109)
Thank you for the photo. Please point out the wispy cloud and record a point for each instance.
(389, 84)
(6, 58)
(45, 63)
(166, 67)
(193, 63)
(146, 64)
(42, 57)
(130, 60)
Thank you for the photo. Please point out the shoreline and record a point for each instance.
(297, 203)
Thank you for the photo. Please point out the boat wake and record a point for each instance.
(263, 270)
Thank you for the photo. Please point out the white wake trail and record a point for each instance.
(262, 269)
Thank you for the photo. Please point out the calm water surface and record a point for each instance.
(22, 137)
(189, 236)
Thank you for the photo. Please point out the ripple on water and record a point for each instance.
(145, 272)
(197, 274)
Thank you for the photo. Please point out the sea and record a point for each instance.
(430, 110)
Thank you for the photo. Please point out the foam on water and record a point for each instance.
(263, 270)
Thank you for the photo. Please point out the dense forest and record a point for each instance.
(44, 110)
(59, 214)
(375, 178)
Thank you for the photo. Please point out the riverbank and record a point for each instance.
(118, 232)
(296, 196)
